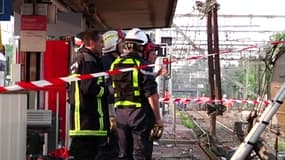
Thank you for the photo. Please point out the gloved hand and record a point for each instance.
(156, 132)
(113, 123)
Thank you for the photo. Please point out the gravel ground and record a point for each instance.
(177, 142)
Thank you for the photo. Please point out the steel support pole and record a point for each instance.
(211, 70)
(250, 140)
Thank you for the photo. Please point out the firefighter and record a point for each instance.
(136, 100)
(89, 118)
(149, 52)
(150, 55)
(113, 48)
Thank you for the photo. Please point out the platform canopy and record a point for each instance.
(115, 14)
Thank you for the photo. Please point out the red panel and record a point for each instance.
(56, 65)
(33, 23)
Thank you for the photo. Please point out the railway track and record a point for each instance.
(224, 127)
(227, 137)
(179, 142)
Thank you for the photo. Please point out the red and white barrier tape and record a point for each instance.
(203, 100)
(42, 84)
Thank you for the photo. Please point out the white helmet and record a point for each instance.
(136, 35)
(78, 39)
(111, 40)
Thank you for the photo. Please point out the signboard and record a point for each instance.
(167, 40)
(33, 41)
(5, 10)
(33, 33)
(33, 23)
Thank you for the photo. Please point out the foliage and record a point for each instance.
(276, 50)
(252, 79)
(281, 146)
(259, 75)
(186, 120)
(272, 54)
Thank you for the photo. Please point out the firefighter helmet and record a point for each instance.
(150, 46)
(137, 36)
(78, 39)
(111, 40)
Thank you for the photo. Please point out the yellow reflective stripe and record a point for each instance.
(101, 120)
(113, 84)
(77, 130)
(135, 75)
(135, 78)
(73, 75)
(112, 68)
(131, 61)
(100, 80)
(137, 93)
(109, 36)
(77, 104)
(77, 107)
(87, 133)
(115, 62)
(127, 103)
(101, 92)
(99, 104)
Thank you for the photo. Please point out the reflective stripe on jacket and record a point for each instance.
(88, 100)
(126, 84)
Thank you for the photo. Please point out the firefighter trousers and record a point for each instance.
(133, 128)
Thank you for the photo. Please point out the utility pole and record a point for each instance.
(211, 69)
(213, 62)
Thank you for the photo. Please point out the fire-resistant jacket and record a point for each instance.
(132, 88)
(107, 60)
(88, 98)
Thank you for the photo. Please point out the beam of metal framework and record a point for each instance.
(220, 26)
(234, 16)
(188, 39)
(241, 31)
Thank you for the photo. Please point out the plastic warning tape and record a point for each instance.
(43, 84)
(204, 100)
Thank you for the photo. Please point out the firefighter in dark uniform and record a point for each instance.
(150, 55)
(136, 101)
(89, 118)
(113, 47)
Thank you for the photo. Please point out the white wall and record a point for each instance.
(13, 108)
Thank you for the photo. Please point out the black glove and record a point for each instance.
(156, 132)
